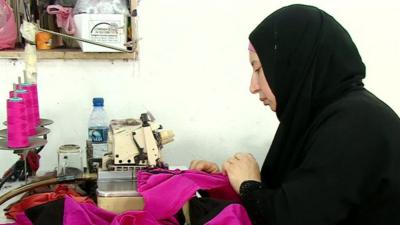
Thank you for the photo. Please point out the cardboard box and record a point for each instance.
(104, 28)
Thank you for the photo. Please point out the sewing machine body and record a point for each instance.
(133, 144)
(117, 192)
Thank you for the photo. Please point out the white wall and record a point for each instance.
(193, 75)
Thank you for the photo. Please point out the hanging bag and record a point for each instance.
(8, 28)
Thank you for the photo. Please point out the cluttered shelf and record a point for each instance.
(69, 29)
(74, 53)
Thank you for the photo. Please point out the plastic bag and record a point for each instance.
(64, 17)
(101, 7)
(8, 28)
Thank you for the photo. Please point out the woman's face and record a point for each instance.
(259, 84)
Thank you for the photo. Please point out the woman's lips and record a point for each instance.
(265, 101)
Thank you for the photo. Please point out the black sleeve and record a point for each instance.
(335, 176)
(252, 202)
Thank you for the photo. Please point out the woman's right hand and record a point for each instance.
(204, 165)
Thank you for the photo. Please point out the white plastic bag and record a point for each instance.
(101, 7)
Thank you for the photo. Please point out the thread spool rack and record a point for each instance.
(36, 144)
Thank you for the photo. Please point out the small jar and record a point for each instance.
(69, 160)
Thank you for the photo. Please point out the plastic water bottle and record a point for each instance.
(98, 128)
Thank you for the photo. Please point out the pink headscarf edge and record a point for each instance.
(251, 47)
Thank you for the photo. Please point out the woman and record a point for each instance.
(335, 158)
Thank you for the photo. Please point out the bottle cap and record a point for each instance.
(98, 102)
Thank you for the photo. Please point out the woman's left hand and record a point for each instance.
(241, 167)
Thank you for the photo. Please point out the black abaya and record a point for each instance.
(335, 157)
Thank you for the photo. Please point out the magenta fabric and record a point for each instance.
(234, 214)
(22, 219)
(166, 191)
(85, 213)
(135, 218)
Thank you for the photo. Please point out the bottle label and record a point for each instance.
(98, 135)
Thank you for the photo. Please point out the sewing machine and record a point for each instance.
(132, 145)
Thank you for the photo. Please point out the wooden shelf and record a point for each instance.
(67, 54)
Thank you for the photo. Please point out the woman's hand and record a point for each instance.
(205, 166)
(241, 167)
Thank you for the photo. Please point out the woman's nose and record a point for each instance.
(254, 87)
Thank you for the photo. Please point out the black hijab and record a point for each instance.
(310, 61)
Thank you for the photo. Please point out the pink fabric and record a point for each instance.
(22, 219)
(64, 17)
(8, 30)
(233, 214)
(160, 190)
(251, 48)
(135, 218)
(165, 192)
(85, 213)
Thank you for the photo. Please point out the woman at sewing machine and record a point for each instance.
(335, 156)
